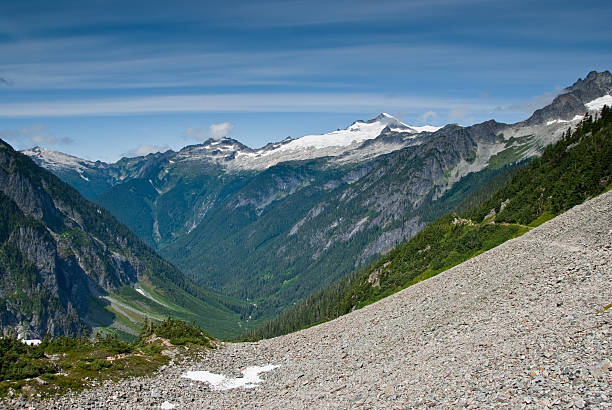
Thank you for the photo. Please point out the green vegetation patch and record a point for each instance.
(68, 363)
(177, 332)
(508, 156)
(544, 216)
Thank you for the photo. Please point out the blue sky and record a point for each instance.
(103, 79)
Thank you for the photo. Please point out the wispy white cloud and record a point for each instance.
(532, 104)
(196, 134)
(269, 13)
(83, 66)
(27, 137)
(305, 13)
(264, 102)
(146, 149)
(221, 130)
(428, 117)
(216, 131)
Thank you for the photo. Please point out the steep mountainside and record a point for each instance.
(576, 168)
(273, 224)
(524, 325)
(67, 265)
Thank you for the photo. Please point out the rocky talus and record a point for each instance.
(522, 325)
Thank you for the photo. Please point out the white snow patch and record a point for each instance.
(31, 342)
(167, 405)
(84, 177)
(356, 133)
(58, 160)
(140, 291)
(250, 378)
(598, 103)
(247, 154)
(425, 128)
(159, 191)
(560, 121)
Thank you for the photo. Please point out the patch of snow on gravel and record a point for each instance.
(250, 378)
(167, 405)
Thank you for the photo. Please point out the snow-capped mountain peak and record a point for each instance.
(223, 149)
(356, 133)
(396, 125)
(55, 159)
(232, 154)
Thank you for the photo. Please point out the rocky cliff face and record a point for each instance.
(60, 253)
(572, 100)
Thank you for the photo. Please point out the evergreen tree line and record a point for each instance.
(576, 168)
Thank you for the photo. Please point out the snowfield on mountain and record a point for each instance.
(526, 324)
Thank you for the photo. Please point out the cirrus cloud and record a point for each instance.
(27, 137)
(146, 149)
(533, 103)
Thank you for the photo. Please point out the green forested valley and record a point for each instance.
(576, 168)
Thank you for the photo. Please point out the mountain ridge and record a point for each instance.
(271, 233)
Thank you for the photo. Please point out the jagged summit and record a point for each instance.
(594, 81)
(393, 123)
(574, 101)
(231, 153)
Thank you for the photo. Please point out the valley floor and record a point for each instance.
(524, 324)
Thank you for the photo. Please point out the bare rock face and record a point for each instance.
(572, 100)
(57, 251)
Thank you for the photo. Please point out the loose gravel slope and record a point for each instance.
(523, 324)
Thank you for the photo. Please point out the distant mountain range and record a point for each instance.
(269, 226)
